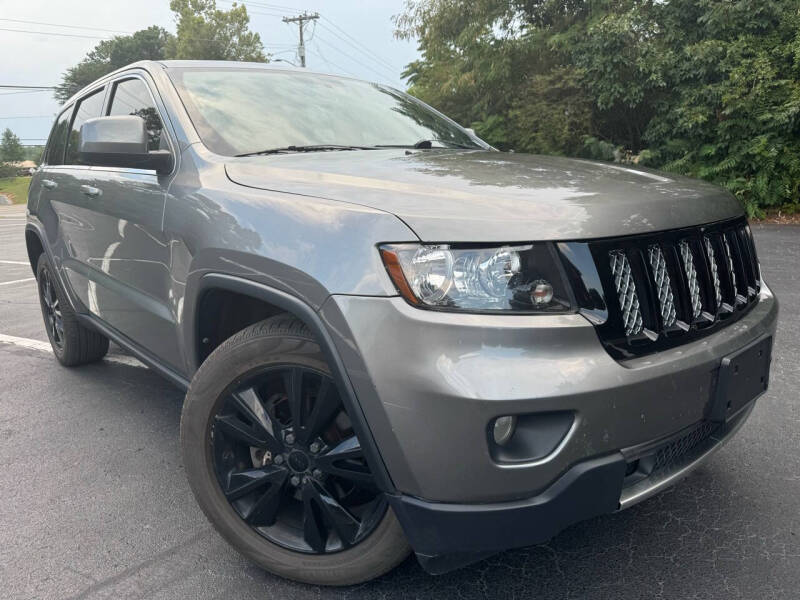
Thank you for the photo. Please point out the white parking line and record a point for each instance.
(14, 262)
(45, 347)
(17, 281)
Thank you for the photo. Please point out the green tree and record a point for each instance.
(733, 114)
(206, 32)
(11, 149)
(109, 55)
(203, 32)
(710, 88)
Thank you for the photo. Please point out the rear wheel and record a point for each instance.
(72, 343)
(274, 462)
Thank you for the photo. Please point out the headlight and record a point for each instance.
(525, 278)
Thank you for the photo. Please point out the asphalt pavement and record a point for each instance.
(94, 503)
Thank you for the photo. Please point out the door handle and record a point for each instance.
(90, 191)
(49, 184)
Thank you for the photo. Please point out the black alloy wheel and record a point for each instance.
(54, 319)
(288, 462)
(72, 343)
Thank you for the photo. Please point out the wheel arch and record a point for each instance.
(276, 301)
(34, 246)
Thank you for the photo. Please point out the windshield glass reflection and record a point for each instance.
(239, 111)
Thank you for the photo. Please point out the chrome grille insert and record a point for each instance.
(712, 264)
(663, 285)
(668, 288)
(739, 299)
(626, 292)
(691, 279)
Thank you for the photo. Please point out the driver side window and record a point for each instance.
(88, 108)
(58, 139)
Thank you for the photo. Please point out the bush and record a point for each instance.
(709, 88)
(598, 149)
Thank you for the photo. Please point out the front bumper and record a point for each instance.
(429, 383)
(446, 536)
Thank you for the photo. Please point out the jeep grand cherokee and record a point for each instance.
(392, 337)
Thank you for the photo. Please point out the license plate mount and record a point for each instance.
(743, 377)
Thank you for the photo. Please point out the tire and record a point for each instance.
(72, 343)
(281, 342)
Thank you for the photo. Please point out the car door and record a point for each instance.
(63, 209)
(121, 270)
(48, 184)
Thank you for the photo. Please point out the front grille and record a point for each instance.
(668, 288)
(648, 466)
(674, 452)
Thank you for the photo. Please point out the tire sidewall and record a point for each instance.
(228, 366)
(43, 265)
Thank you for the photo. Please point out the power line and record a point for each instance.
(352, 58)
(365, 50)
(255, 12)
(28, 87)
(70, 35)
(278, 7)
(27, 117)
(353, 42)
(66, 26)
(301, 20)
(96, 37)
(22, 92)
(301, 23)
(331, 63)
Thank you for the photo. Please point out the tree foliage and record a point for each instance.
(33, 153)
(109, 55)
(11, 149)
(710, 88)
(203, 32)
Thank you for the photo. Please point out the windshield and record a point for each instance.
(240, 111)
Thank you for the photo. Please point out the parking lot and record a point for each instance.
(94, 503)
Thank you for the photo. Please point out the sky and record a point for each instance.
(352, 37)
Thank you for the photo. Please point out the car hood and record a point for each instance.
(484, 196)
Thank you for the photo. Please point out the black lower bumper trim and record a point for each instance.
(448, 536)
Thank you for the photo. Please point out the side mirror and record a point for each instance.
(120, 142)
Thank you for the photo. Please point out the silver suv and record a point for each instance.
(392, 336)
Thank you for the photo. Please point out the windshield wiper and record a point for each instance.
(316, 148)
(426, 144)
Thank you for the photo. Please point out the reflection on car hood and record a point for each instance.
(482, 196)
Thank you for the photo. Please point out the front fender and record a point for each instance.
(311, 318)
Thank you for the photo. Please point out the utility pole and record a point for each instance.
(301, 23)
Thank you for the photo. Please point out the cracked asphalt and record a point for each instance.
(94, 503)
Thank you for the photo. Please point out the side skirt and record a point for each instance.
(143, 355)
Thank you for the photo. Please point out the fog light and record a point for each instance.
(503, 429)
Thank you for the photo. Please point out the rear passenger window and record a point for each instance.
(131, 97)
(88, 108)
(58, 139)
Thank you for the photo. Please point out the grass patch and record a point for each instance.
(15, 188)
